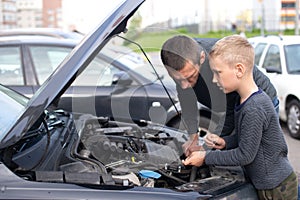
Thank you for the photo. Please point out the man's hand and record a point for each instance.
(214, 141)
(191, 145)
(196, 158)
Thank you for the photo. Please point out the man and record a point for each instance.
(187, 63)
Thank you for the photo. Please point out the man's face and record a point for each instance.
(187, 76)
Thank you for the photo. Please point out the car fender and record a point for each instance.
(287, 91)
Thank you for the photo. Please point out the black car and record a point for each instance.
(50, 153)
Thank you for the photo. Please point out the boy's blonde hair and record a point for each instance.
(234, 49)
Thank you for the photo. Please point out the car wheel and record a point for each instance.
(293, 118)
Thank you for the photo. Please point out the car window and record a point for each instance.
(259, 48)
(135, 61)
(10, 66)
(46, 59)
(292, 56)
(98, 73)
(102, 68)
(272, 58)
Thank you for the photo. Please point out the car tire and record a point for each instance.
(293, 118)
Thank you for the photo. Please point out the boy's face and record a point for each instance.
(224, 75)
(187, 76)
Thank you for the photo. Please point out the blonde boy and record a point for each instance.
(258, 144)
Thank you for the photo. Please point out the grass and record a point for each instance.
(152, 41)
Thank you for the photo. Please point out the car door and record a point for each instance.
(272, 59)
(26, 66)
(259, 49)
(45, 59)
(273, 62)
(13, 71)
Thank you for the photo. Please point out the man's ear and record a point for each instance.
(202, 57)
(240, 70)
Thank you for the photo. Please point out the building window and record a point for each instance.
(288, 5)
(288, 18)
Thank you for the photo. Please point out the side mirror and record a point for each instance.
(273, 69)
(121, 78)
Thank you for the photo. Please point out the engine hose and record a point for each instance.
(172, 177)
(193, 173)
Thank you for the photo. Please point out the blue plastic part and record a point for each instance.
(149, 174)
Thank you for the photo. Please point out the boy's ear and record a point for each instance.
(202, 57)
(240, 70)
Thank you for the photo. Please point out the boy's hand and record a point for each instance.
(214, 141)
(196, 158)
(191, 145)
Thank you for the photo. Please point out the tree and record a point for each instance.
(134, 27)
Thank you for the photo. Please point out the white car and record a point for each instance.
(279, 57)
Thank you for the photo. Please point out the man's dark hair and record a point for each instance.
(179, 49)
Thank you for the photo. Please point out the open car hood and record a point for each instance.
(71, 67)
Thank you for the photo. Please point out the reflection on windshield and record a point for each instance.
(11, 106)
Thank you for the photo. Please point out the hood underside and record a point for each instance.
(71, 67)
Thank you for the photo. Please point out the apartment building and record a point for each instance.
(52, 13)
(30, 13)
(8, 11)
(288, 14)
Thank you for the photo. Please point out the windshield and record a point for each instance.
(292, 53)
(11, 106)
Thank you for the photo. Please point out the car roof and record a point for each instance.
(276, 39)
(50, 32)
(36, 40)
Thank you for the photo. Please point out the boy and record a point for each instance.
(258, 144)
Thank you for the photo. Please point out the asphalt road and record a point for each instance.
(293, 150)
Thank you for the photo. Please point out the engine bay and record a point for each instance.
(98, 151)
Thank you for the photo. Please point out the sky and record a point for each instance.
(85, 15)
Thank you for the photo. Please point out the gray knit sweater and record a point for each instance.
(258, 144)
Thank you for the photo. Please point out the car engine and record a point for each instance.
(126, 148)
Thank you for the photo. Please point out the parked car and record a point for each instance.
(27, 61)
(49, 153)
(279, 58)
